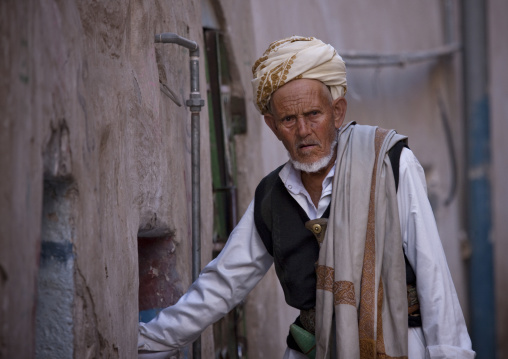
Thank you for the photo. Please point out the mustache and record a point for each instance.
(307, 143)
(315, 142)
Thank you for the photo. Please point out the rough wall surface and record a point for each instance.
(92, 69)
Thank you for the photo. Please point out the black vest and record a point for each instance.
(280, 222)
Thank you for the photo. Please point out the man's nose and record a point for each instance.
(303, 127)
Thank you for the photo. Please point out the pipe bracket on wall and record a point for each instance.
(195, 102)
(166, 90)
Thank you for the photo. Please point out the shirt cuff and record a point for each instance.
(448, 352)
(146, 346)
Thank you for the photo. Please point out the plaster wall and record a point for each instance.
(498, 53)
(235, 20)
(80, 102)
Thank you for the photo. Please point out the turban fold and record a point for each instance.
(294, 58)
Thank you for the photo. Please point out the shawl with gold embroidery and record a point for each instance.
(361, 273)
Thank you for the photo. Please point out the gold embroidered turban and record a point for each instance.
(294, 58)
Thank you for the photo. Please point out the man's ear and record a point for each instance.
(339, 111)
(270, 121)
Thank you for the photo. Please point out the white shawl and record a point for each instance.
(361, 269)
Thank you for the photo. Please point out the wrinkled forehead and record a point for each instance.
(300, 94)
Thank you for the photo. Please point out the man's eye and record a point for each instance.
(287, 119)
(314, 113)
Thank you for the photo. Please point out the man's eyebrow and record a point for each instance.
(285, 114)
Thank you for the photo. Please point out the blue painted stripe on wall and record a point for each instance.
(59, 251)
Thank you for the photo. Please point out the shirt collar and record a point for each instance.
(291, 177)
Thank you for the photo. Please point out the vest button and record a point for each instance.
(316, 228)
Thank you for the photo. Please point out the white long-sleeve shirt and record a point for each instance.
(226, 280)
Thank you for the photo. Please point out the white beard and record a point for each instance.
(317, 165)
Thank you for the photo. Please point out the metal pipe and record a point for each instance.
(195, 102)
(172, 38)
(476, 109)
(196, 206)
(449, 38)
(448, 21)
(451, 151)
(367, 59)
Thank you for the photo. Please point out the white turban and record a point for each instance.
(294, 58)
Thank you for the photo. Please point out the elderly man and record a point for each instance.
(346, 221)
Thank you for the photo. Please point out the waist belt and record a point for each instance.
(308, 320)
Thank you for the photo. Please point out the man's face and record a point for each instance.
(305, 118)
